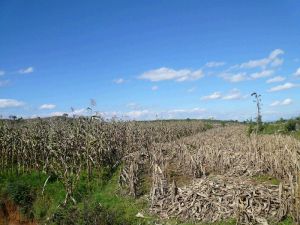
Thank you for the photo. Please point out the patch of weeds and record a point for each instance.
(22, 195)
(123, 209)
(287, 221)
(208, 126)
(46, 204)
(266, 179)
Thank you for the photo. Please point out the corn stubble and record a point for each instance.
(222, 164)
(193, 173)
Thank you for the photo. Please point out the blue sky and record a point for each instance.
(147, 59)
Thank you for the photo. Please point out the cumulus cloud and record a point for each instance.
(166, 114)
(213, 96)
(286, 101)
(47, 106)
(233, 95)
(10, 103)
(234, 78)
(282, 87)
(214, 64)
(57, 113)
(184, 113)
(277, 62)
(262, 74)
(2, 72)
(119, 81)
(164, 73)
(272, 60)
(297, 73)
(274, 54)
(137, 113)
(276, 79)
(75, 112)
(26, 70)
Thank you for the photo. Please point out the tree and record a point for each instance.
(257, 100)
(12, 117)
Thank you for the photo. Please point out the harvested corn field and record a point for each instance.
(220, 168)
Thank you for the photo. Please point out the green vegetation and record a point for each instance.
(266, 179)
(97, 199)
(282, 126)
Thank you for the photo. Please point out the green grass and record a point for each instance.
(101, 190)
(124, 208)
(25, 190)
(98, 201)
(287, 221)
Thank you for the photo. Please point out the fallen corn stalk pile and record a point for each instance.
(217, 198)
(236, 158)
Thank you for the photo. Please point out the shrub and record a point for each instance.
(22, 195)
(290, 126)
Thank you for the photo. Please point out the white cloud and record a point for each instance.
(154, 88)
(282, 87)
(167, 114)
(233, 95)
(2, 72)
(213, 96)
(76, 112)
(10, 103)
(137, 113)
(255, 63)
(47, 106)
(26, 70)
(276, 79)
(262, 74)
(234, 78)
(184, 113)
(164, 73)
(194, 110)
(297, 73)
(272, 60)
(214, 64)
(286, 101)
(277, 62)
(119, 81)
(274, 54)
(57, 113)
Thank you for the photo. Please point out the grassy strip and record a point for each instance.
(99, 196)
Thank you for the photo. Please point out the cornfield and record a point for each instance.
(195, 173)
(65, 147)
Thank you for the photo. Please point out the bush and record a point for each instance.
(290, 126)
(22, 195)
